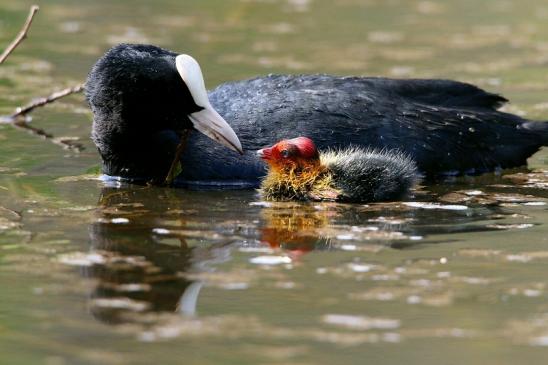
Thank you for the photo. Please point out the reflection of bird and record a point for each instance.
(143, 265)
(142, 100)
(299, 172)
(136, 266)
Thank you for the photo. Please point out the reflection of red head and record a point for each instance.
(293, 243)
(296, 152)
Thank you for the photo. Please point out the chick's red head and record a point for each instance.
(291, 153)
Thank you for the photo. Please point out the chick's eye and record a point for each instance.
(284, 153)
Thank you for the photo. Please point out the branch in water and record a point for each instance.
(22, 34)
(23, 110)
(70, 143)
(18, 120)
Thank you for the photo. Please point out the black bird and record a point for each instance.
(141, 105)
(143, 99)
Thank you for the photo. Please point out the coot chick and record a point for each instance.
(297, 171)
(140, 106)
(143, 100)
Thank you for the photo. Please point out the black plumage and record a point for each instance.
(139, 104)
(446, 126)
(365, 175)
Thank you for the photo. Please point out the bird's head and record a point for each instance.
(206, 120)
(291, 154)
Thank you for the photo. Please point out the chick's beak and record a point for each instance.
(265, 153)
(210, 123)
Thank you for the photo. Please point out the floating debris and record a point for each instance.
(414, 299)
(81, 259)
(360, 322)
(103, 258)
(510, 226)
(161, 231)
(270, 260)
(344, 237)
(285, 285)
(477, 197)
(424, 205)
(363, 234)
(357, 267)
(527, 292)
(475, 252)
(516, 198)
(261, 204)
(537, 179)
(480, 198)
(120, 303)
(383, 293)
(473, 192)
(539, 341)
(527, 256)
(129, 287)
(391, 220)
(473, 280)
(234, 286)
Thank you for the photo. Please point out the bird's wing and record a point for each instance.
(444, 93)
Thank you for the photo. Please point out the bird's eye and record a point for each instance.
(284, 153)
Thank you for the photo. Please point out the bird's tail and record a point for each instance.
(540, 129)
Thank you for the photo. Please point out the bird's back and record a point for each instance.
(444, 125)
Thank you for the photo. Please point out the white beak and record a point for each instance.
(210, 123)
(207, 120)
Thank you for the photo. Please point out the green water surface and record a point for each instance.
(96, 273)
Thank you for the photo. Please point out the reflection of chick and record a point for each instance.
(299, 172)
(294, 228)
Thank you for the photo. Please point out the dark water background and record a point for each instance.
(92, 273)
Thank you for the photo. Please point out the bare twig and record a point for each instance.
(15, 118)
(18, 120)
(18, 215)
(23, 110)
(22, 34)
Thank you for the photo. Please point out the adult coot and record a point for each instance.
(297, 171)
(143, 100)
(141, 103)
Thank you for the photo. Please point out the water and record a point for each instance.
(98, 274)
